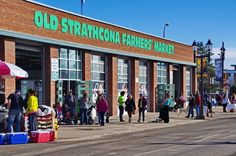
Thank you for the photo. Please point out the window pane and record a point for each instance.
(95, 58)
(63, 53)
(63, 64)
(73, 75)
(78, 65)
(72, 64)
(72, 54)
(103, 76)
(64, 74)
(79, 75)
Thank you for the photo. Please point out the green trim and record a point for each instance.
(89, 47)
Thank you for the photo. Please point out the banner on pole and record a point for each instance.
(218, 69)
(204, 68)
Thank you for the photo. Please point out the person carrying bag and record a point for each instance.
(164, 111)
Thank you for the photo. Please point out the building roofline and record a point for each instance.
(73, 13)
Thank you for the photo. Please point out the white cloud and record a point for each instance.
(230, 56)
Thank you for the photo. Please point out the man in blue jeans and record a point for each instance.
(15, 109)
(197, 104)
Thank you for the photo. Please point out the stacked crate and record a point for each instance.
(45, 122)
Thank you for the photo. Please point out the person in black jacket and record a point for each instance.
(130, 106)
(142, 106)
(191, 106)
(15, 111)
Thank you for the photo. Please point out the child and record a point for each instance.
(59, 112)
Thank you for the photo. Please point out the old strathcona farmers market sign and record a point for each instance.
(51, 22)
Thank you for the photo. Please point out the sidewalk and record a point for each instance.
(88, 132)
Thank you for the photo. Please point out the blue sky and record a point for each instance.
(189, 19)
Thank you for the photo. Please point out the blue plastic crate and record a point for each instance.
(2, 138)
(17, 138)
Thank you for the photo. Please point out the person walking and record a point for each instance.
(191, 106)
(164, 111)
(225, 102)
(31, 111)
(142, 106)
(102, 108)
(83, 104)
(130, 107)
(70, 103)
(180, 103)
(197, 104)
(121, 101)
(209, 106)
(219, 99)
(15, 110)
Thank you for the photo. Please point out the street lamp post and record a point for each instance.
(202, 52)
(164, 30)
(222, 56)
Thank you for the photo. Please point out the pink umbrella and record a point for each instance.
(11, 70)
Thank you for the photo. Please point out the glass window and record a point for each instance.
(98, 76)
(143, 85)
(70, 64)
(188, 83)
(161, 73)
(122, 76)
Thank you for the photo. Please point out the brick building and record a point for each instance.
(59, 49)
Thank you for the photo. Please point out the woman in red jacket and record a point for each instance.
(102, 108)
(197, 104)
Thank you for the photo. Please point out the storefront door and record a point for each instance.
(29, 57)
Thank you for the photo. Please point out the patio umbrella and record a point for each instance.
(11, 70)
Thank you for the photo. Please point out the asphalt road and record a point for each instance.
(210, 138)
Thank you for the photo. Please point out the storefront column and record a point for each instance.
(8, 54)
(194, 80)
(153, 84)
(50, 86)
(135, 80)
(112, 84)
(183, 80)
(170, 74)
(86, 65)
